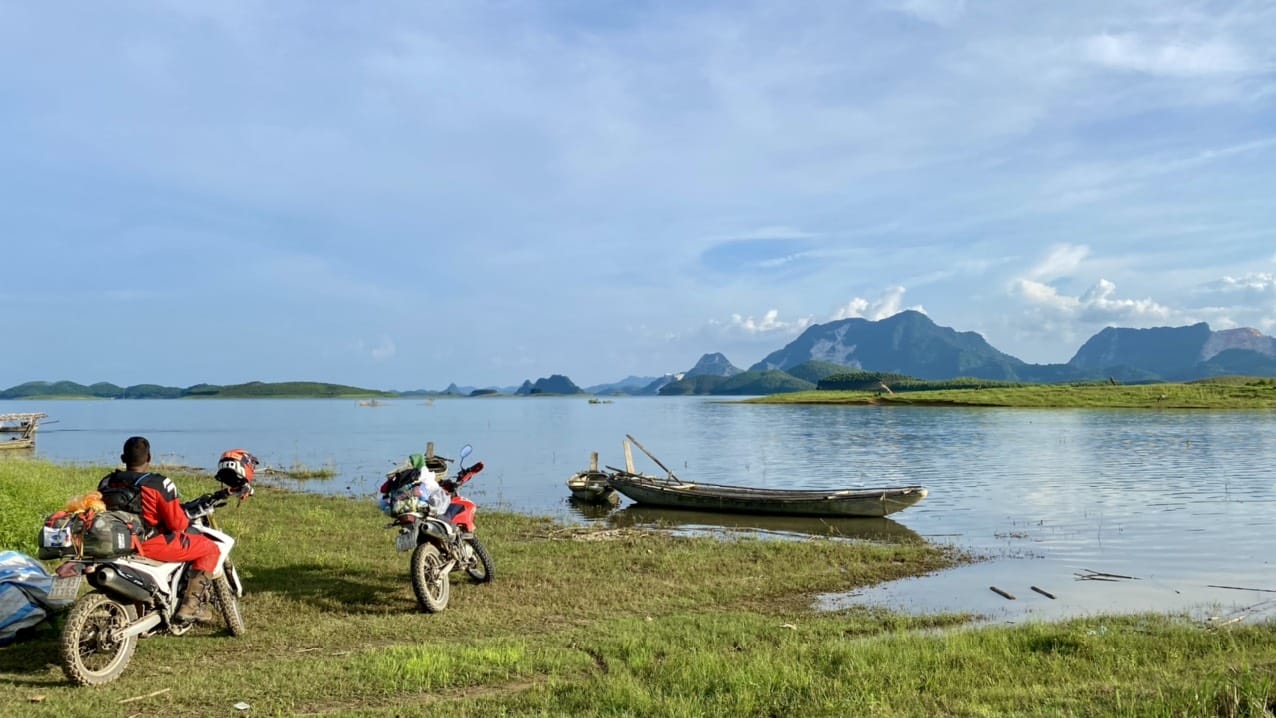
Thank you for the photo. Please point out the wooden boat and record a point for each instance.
(873, 502)
(24, 425)
(592, 486)
(673, 492)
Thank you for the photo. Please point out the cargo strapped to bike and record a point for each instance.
(89, 533)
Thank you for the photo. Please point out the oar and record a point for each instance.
(653, 458)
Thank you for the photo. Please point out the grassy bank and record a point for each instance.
(1258, 394)
(609, 623)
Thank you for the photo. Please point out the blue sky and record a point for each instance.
(406, 194)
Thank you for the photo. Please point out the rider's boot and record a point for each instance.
(193, 608)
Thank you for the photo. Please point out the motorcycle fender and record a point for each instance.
(407, 538)
(224, 543)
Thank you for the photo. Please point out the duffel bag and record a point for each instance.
(111, 534)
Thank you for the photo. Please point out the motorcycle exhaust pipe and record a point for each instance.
(108, 580)
(136, 629)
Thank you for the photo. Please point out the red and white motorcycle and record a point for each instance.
(439, 544)
(135, 597)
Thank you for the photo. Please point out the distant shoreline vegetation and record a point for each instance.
(250, 390)
(874, 388)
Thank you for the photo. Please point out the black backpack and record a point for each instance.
(121, 494)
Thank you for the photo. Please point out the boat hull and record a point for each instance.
(870, 502)
(27, 443)
(592, 488)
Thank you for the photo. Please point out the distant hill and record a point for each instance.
(713, 365)
(555, 384)
(749, 383)
(906, 343)
(1176, 353)
(815, 371)
(1233, 362)
(628, 385)
(1161, 351)
(251, 390)
(656, 385)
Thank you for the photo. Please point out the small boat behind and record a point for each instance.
(592, 486)
(24, 426)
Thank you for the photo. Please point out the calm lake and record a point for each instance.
(1174, 504)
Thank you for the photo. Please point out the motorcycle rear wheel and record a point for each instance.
(481, 569)
(430, 582)
(90, 655)
(228, 602)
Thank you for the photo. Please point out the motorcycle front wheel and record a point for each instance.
(228, 602)
(91, 655)
(430, 582)
(481, 568)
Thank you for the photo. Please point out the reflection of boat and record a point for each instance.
(591, 486)
(673, 492)
(590, 512)
(24, 425)
(867, 529)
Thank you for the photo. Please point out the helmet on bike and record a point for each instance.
(235, 468)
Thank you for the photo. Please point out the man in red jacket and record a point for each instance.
(153, 497)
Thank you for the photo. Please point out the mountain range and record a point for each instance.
(908, 343)
(911, 344)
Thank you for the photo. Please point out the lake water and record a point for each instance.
(1181, 502)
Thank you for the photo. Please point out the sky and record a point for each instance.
(402, 195)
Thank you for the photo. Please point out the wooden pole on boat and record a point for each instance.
(429, 450)
(593, 462)
(629, 459)
(672, 475)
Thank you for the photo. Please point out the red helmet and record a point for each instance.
(235, 468)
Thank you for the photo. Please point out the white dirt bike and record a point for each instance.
(136, 597)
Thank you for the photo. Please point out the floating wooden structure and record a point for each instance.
(592, 486)
(673, 492)
(24, 426)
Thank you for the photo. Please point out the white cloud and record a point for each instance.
(1253, 283)
(1097, 305)
(1131, 52)
(889, 304)
(1062, 261)
(770, 323)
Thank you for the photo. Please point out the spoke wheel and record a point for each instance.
(228, 603)
(430, 582)
(91, 655)
(480, 568)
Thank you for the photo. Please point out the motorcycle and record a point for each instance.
(136, 597)
(439, 544)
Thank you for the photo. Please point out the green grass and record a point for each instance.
(644, 624)
(1226, 394)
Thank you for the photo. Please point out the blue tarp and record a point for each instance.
(24, 594)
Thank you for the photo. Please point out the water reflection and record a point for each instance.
(865, 529)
